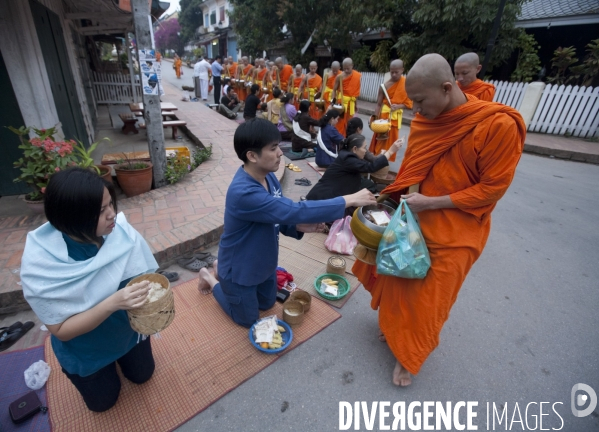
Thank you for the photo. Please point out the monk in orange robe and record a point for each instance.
(328, 90)
(346, 92)
(466, 67)
(272, 80)
(231, 67)
(177, 63)
(396, 89)
(260, 76)
(294, 84)
(242, 73)
(463, 153)
(311, 86)
(285, 72)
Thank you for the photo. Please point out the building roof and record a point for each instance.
(545, 13)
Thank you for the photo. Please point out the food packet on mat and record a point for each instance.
(265, 328)
(402, 251)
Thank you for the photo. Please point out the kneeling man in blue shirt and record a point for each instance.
(255, 213)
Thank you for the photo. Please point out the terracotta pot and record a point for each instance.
(36, 207)
(134, 182)
(105, 172)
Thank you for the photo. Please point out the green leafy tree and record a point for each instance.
(588, 71)
(562, 59)
(360, 57)
(453, 27)
(528, 64)
(190, 18)
(381, 57)
(257, 23)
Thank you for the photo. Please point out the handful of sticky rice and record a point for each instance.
(156, 291)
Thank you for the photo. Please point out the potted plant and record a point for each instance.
(134, 177)
(86, 161)
(42, 157)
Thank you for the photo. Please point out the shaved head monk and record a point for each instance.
(466, 67)
(310, 89)
(294, 84)
(346, 91)
(463, 153)
(243, 71)
(393, 109)
(330, 83)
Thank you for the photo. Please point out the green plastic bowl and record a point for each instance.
(343, 286)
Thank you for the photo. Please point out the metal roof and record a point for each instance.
(541, 13)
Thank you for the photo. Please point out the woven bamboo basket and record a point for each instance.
(303, 297)
(153, 317)
(380, 126)
(336, 265)
(293, 312)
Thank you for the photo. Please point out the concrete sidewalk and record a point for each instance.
(557, 146)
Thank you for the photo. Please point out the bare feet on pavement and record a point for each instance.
(382, 337)
(401, 376)
(207, 279)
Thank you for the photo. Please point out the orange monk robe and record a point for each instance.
(398, 95)
(351, 91)
(480, 89)
(158, 57)
(232, 70)
(272, 81)
(313, 86)
(328, 90)
(469, 153)
(177, 65)
(261, 81)
(296, 83)
(243, 91)
(284, 76)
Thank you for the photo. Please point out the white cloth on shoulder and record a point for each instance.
(300, 132)
(324, 147)
(58, 287)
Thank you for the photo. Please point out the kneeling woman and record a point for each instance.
(74, 271)
(343, 176)
(255, 213)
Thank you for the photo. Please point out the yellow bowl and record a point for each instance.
(380, 127)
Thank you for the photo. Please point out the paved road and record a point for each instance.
(524, 328)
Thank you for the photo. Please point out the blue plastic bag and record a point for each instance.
(402, 250)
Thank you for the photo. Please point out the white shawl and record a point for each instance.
(300, 132)
(58, 287)
(323, 147)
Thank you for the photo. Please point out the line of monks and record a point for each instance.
(342, 88)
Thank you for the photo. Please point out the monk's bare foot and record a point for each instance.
(382, 337)
(204, 284)
(401, 376)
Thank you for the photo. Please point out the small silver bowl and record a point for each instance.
(367, 223)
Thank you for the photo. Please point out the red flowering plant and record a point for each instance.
(42, 157)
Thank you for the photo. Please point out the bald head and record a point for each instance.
(313, 67)
(431, 86)
(396, 70)
(279, 62)
(466, 67)
(298, 69)
(335, 66)
(469, 58)
(348, 66)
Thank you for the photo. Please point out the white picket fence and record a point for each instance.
(567, 110)
(509, 93)
(112, 88)
(369, 85)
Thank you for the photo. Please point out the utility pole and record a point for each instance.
(152, 111)
(491, 42)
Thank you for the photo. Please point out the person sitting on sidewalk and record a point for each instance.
(245, 279)
(229, 104)
(329, 139)
(288, 113)
(303, 129)
(252, 103)
(273, 107)
(343, 176)
(74, 273)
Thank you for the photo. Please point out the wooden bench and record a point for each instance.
(170, 123)
(129, 121)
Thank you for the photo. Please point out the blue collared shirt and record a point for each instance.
(216, 68)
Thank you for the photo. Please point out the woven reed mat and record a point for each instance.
(199, 358)
(306, 259)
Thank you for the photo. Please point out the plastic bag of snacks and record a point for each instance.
(402, 251)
